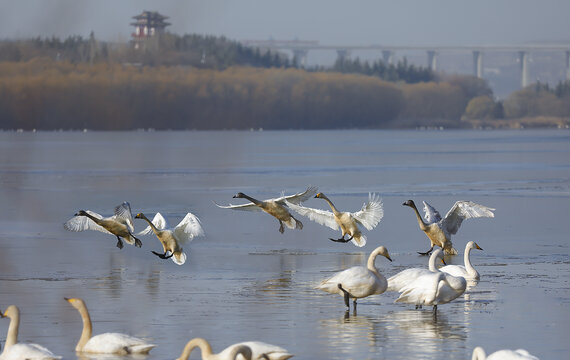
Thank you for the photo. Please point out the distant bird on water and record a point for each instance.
(121, 224)
(275, 207)
(369, 216)
(439, 230)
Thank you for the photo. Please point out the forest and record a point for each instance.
(203, 82)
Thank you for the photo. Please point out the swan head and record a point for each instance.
(381, 250)
(239, 195)
(75, 302)
(81, 213)
(438, 254)
(473, 245)
(139, 216)
(320, 196)
(409, 203)
(10, 312)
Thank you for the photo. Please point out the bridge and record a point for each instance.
(301, 48)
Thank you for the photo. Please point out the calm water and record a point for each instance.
(245, 280)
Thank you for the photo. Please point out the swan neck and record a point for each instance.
(154, 228)
(244, 350)
(431, 264)
(87, 327)
(12, 336)
(333, 208)
(204, 346)
(467, 260)
(419, 217)
(371, 264)
(478, 354)
(255, 201)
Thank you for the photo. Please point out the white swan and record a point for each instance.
(432, 289)
(439, 230)
(18, 351)
(520, 354)
(107, 343)
(467, 271)
(369, 216)
(358, 281)
(121, 224)
(275, 207)
(172, 239)
(404, 277)
(254, 350)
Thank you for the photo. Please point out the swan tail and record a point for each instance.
(141, 349)
(359, 240)
(179, 257)
(450, 250)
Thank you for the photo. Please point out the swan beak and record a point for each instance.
(138, 216)
(478, 247)
(443, 261)
(388, 257)
(2, 315)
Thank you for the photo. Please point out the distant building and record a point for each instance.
(148, 25)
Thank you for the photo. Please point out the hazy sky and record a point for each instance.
(365, 22)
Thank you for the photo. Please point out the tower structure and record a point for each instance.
(148, 25)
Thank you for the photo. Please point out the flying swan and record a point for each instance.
(358, 281)
(275, 207)
(439, 230)
(107, 343)
(520, 354)
(17, 351)
(172, 239)
(121, 224)
(369, 216)
(253, 350)
(404, 277)
(467, 271)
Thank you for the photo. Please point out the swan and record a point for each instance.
(369, 216)
(467, 271)
(520, 354)
(254, 350)
(17, 351)
(403, 278)
(358, 281)
(121, 224)
(439, 230)
(172, 239)
(432, 289)
(275, 207)
(107, 343)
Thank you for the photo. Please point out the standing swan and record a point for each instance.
(275, 207)
(253, 350)
(439, 230)
(120, 224)
(520, 354)
(107, 343)
(17, 351)
(467, 271)
(172, 239)
(369, 216)
(358, 281)
(404, 277)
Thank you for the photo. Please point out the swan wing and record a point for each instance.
(245, 207)
(462, 210)
(422, 291)
(299, 197)
(371, 213)
(116, 343)
(158, 221)
(188, 228)
(27, 351)
(322, 217)
(82, 223)
(431, 214)
(123, 211)
(405, 277)
(258, 349)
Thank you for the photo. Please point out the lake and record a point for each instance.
(246, 281)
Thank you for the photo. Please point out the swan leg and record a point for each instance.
(342, 239)
(427, 252)
(162, 256)
(281, 227)
(346, 297)
(119, 243)
(138, 243)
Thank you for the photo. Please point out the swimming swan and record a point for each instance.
(520, 354)
(404, 277)
(172, 239)
(275, 207)
(369, 216)
(432, 289)
(467, 271)
(439, 230)
(121, 224)
(17, 351)
(358, 281)
(107, 343)
(254, 350)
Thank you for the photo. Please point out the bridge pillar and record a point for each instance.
(523, 60)
(388, 56)
(568, 65)
(343, 54)
(478, 64)
(432, 60)
(300, 57)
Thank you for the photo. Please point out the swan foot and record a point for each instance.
(342, 239)
(347, 297)
(427, 252)
(162, 256)
(281, 227)
(119, 243)
(138, 243)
